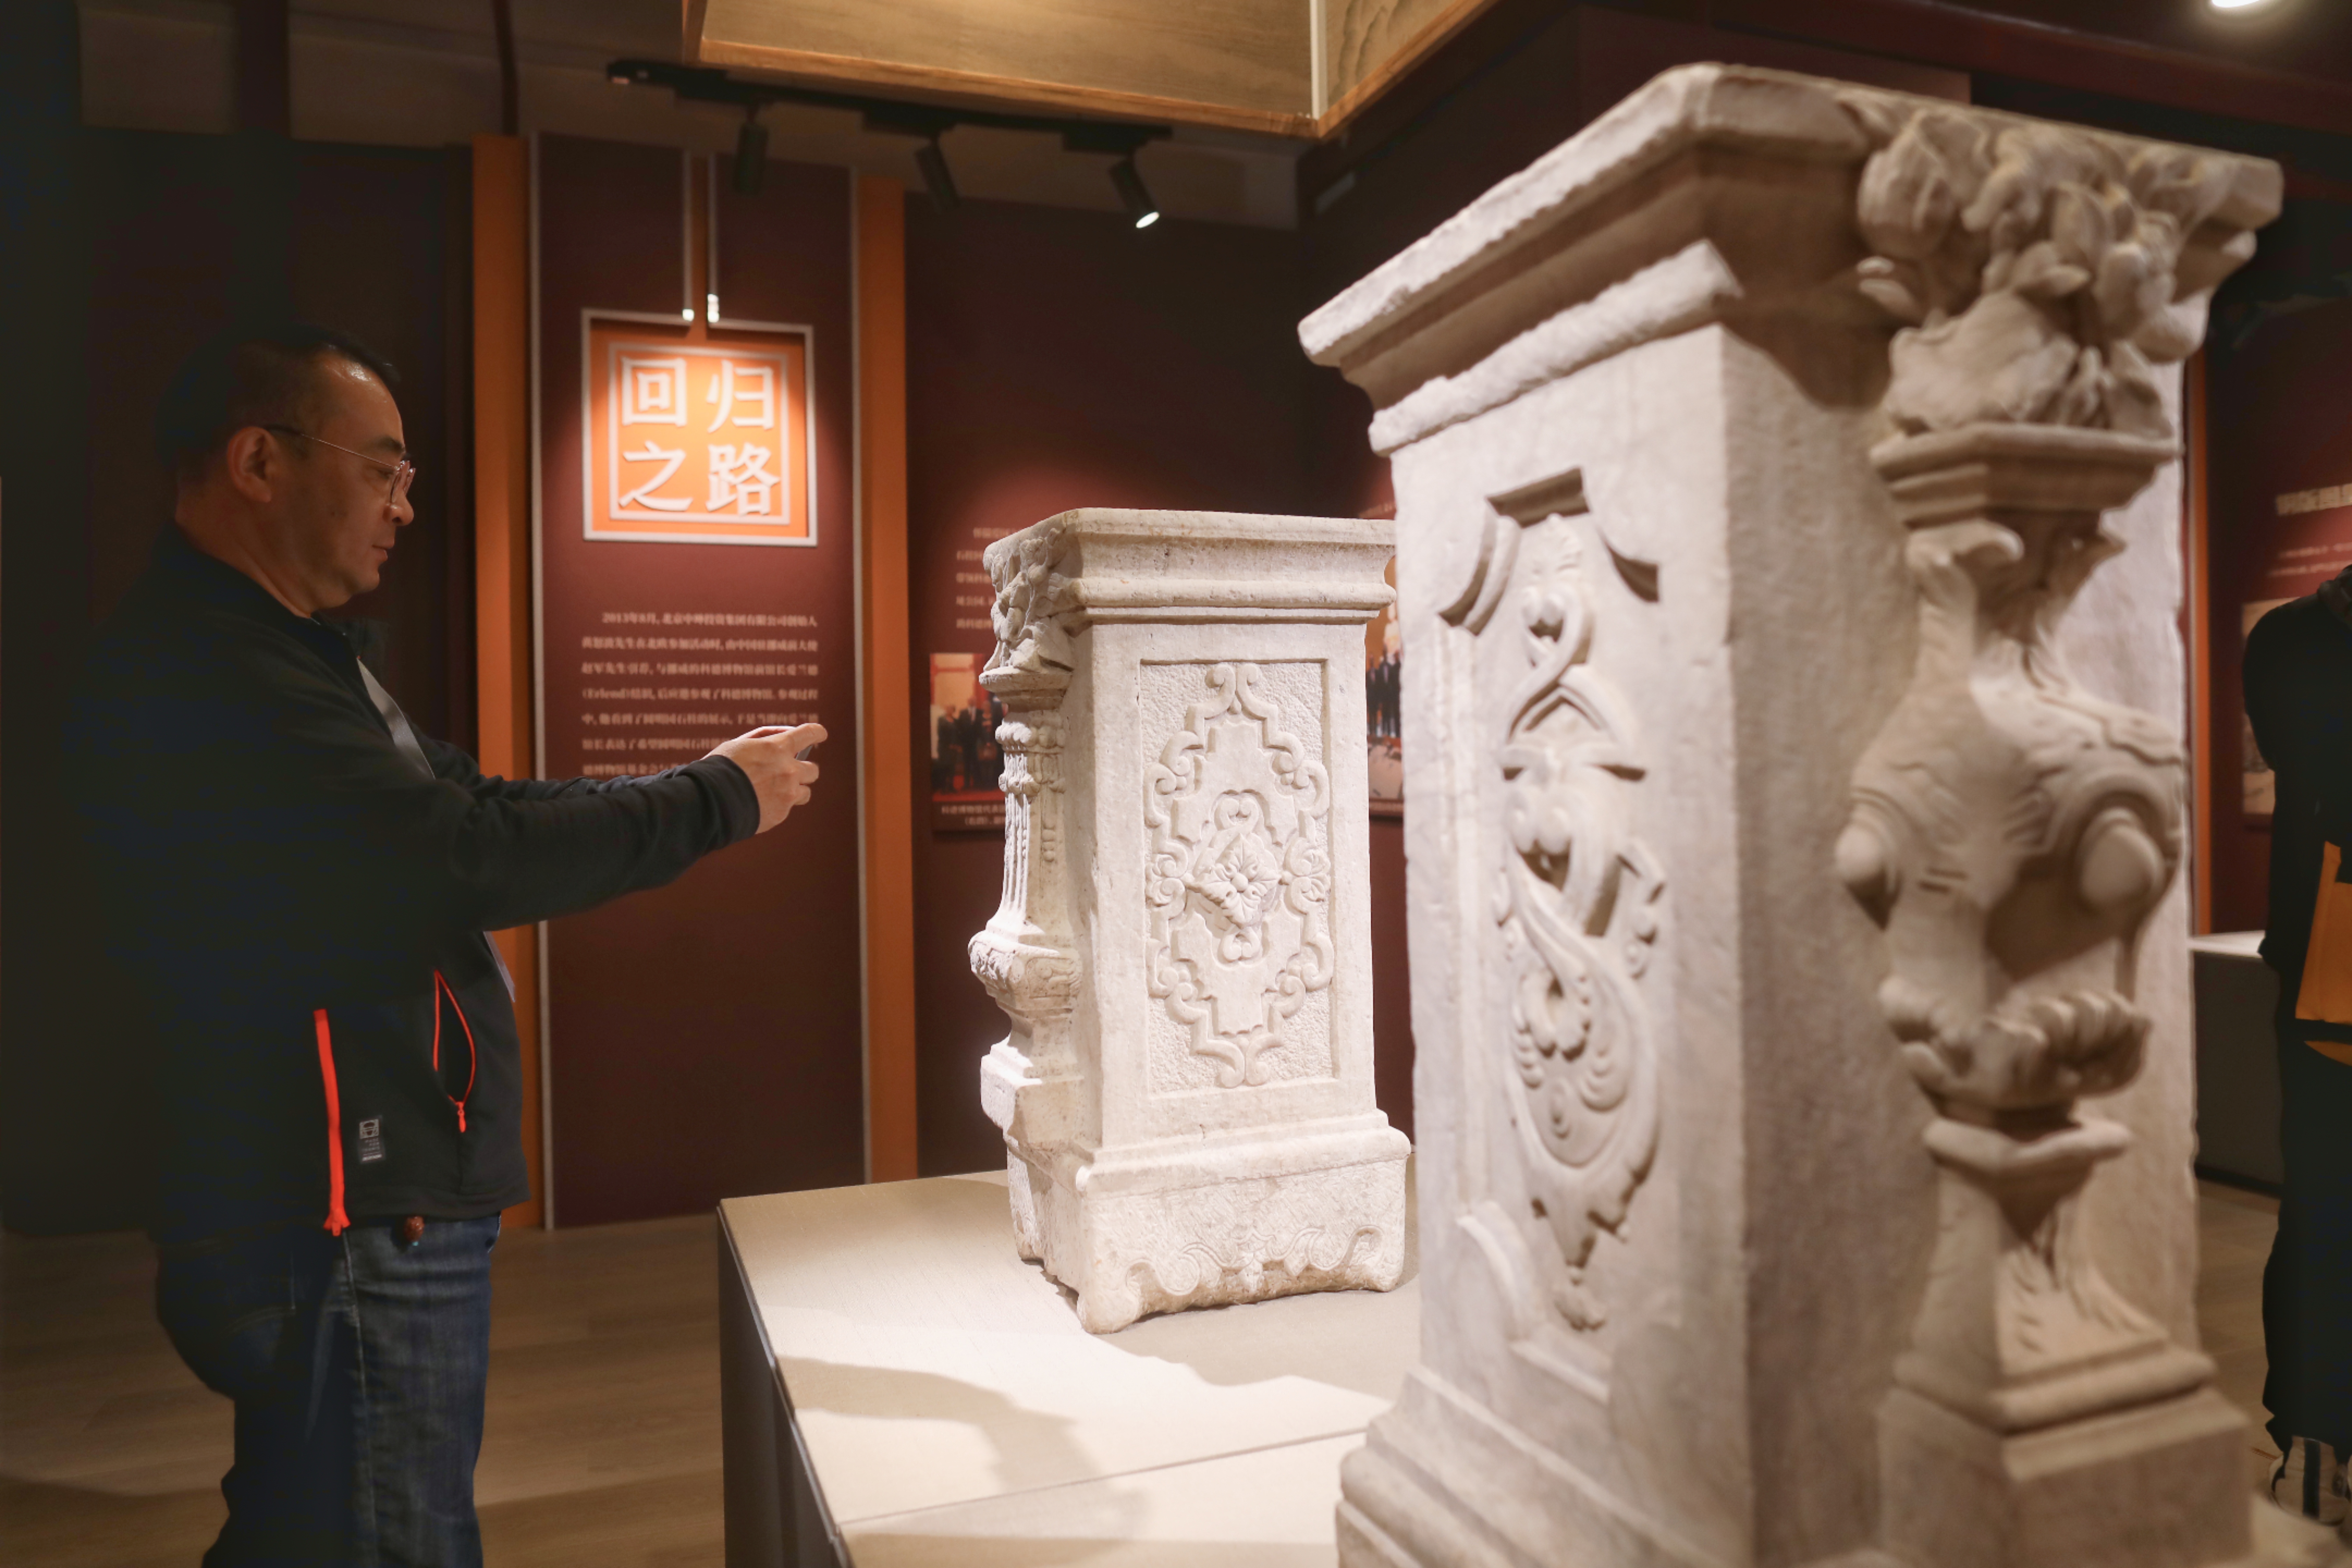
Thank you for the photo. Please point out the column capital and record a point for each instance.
(1780, 205)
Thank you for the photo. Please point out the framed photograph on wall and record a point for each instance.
(966, 761)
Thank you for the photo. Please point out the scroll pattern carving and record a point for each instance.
(1576, 897)
(2010, 831)
(1577, 904)
(1239, 874)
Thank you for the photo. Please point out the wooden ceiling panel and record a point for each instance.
(1259, 65)
(1242, 64)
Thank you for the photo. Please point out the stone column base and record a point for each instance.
(1164, 1227)
(2148, 1486)
(1444, 1482)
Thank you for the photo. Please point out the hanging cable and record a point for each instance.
(937, 180)
(751, 153)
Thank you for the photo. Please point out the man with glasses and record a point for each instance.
(297, 883)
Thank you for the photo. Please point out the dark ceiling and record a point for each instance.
(2306, 37)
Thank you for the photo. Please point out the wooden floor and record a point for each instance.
(603, 1440)
(600, 1445)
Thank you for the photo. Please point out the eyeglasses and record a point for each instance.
(403, 474)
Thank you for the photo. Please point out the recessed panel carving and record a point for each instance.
(1236, 805)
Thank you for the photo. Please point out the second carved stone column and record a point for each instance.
(1183, 947)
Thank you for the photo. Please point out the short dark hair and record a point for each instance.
(250, 374)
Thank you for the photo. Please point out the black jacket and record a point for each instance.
(2299, 700)
(301, 909)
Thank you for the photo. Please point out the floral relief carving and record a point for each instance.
(1244, 1238)
(2035, 266)
(1238, 882)
(1031, 595)
(1577, 903)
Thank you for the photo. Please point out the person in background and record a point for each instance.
(2298, 679)
(297, 883)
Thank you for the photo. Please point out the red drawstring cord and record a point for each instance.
(472, 1058)
(337, 1221)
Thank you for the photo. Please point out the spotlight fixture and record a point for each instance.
(1131, 191)
(936, 177)
(751, 153)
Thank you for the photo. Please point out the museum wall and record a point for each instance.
(186, 230)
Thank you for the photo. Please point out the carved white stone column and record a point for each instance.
(1750, 449)
(1183, 947)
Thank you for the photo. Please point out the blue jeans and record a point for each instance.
(358, 1367)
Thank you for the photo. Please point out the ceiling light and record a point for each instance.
(936, 177)
(1131, 192)
(2237, 5)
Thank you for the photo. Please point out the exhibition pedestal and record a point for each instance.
(900, 1389)
(2237, 1061)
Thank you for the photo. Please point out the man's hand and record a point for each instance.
(770, 758)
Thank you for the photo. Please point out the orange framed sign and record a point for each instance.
(695, 438)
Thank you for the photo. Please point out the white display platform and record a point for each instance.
(2237, 1060)
(901, 1389)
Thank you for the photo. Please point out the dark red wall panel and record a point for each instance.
(704, 1037)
